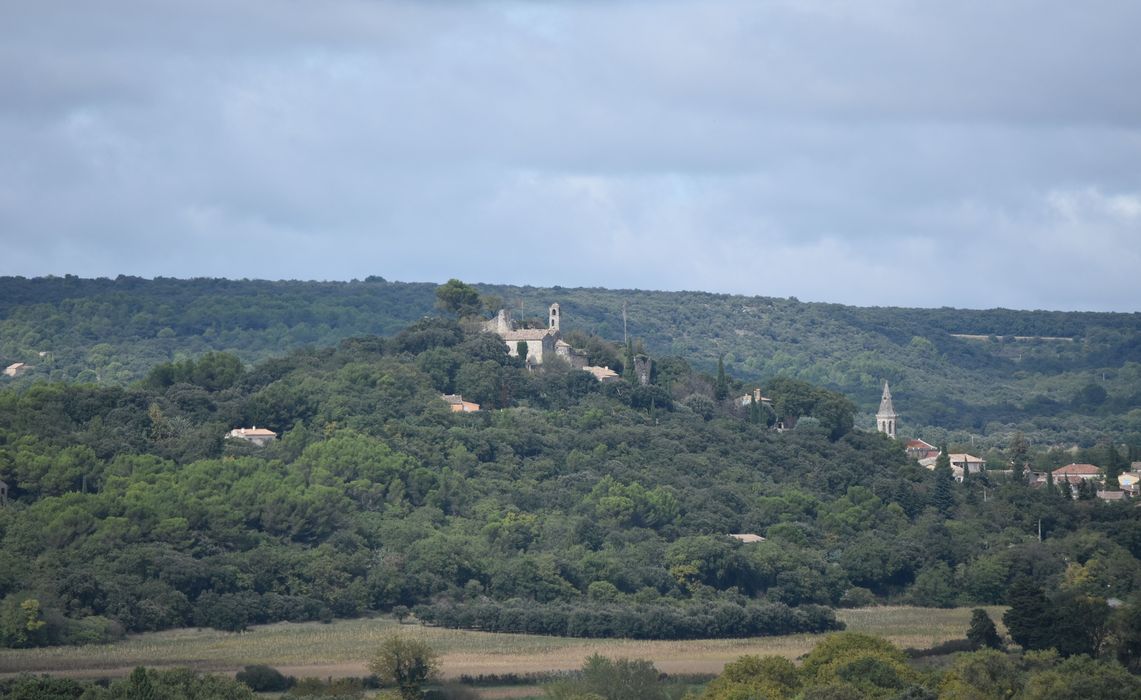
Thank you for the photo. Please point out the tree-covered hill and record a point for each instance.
(957, 375)
(560, 507)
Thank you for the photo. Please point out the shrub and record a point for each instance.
(262, 679)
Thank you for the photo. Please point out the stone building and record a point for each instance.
(541, 343)
(886, 417)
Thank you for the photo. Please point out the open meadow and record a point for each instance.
(342, 648)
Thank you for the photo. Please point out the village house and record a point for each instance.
(602, 374)
(920, 450)
(1129, 481)
(1071, 475)
(747, 537)
(458, 405)
(258, 436)
(16, 369)
(748, 399)
(962, 460)
(1076, 473)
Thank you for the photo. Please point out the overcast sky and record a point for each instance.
(971, 154)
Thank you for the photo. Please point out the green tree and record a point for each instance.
(754, 677)
(982, 675)
(1019, 458)
(21, 623)
(943, 493)
(981, 632)
(616, 679)
(1031, 618)
(721, 387)
(1082, 677)
(458, 298)
(406, 663)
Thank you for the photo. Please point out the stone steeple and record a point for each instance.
(886, 418)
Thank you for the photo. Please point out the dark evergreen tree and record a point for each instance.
(1019, 458)
(1051, 489)
(982, 632)
(721, 388)
(1114, 465)
(1031, 618)
(943, 493)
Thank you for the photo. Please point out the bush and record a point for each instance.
(262, 679)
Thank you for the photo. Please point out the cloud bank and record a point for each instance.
(892, 153)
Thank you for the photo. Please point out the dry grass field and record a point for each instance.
(342, 648)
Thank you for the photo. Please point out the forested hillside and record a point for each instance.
(565, 506)
(1060, 377)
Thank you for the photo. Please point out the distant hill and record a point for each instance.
(957, 375)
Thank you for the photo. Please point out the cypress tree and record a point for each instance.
(721, 388)
(1066, 489)
(1114, 465)
(943, 494)
(1019, 458)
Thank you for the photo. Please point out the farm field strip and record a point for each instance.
(342, 648)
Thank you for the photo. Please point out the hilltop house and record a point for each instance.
(748, 399)
(458, 405)
(541, 343)
(16, 369)
(258, 436)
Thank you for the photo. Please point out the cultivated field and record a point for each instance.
(342, 648)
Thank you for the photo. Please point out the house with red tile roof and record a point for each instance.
(258, 436)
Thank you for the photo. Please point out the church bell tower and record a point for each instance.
(886, 418)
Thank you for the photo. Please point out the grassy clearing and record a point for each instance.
(342, 648)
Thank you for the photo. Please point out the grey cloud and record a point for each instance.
(814, 149)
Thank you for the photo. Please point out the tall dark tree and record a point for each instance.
(721, 388)
(1114, 465)
(1031, 618)
(943, 493)
(981, 632)
(1019, 457)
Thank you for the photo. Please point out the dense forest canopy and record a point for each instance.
(959, 376)
(561, 502)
